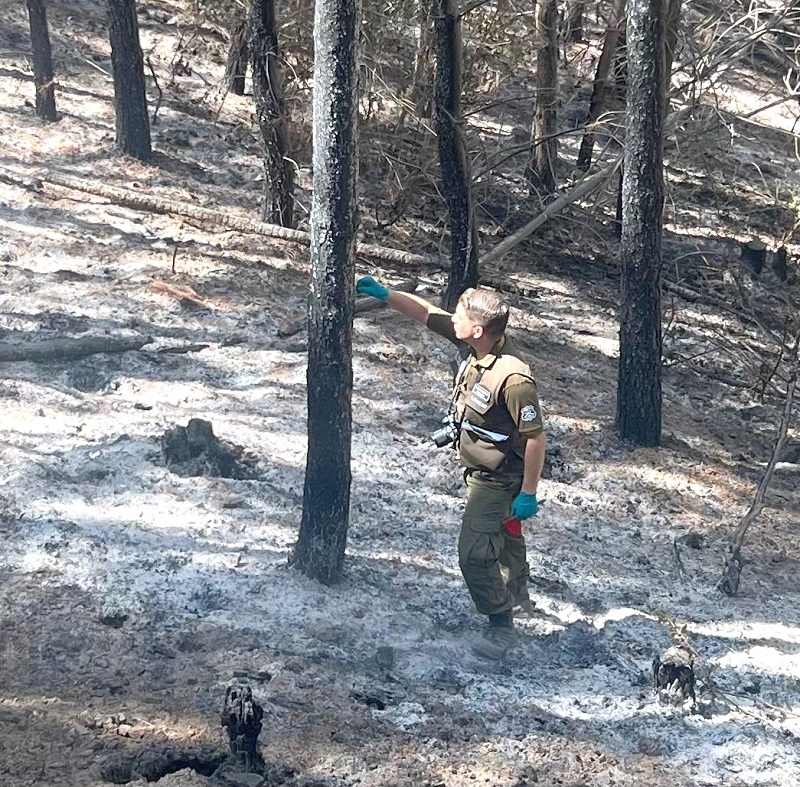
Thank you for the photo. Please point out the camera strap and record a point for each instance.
(461, 422)
(486, 434)
(458, 385)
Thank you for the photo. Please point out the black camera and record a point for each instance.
(447, 434)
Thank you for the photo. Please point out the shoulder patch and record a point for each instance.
(529, 413)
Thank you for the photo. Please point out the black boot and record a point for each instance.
(499, 637)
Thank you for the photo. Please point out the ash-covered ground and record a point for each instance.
(131, 596)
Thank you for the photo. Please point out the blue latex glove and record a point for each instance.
(366, 285)
(524, 506)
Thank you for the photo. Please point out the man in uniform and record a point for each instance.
(496, 424)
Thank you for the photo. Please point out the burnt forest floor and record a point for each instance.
(131, 595)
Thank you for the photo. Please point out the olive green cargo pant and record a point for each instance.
(486, 551)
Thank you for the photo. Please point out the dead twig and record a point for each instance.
(677, 555)
(732, 569)
(181, 293)
(154, 119)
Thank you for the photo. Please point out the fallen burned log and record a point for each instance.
(216, 217)
(69, 349)
(130, 198)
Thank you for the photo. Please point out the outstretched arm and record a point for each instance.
(404, 302)
(411, 305)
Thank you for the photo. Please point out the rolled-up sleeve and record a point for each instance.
(441, 322)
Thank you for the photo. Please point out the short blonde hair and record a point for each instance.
(487, 308)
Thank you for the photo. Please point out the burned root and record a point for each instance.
(673, 672)
(194, 450)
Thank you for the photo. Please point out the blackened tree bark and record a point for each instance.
(268, 92)
(43, 78)
(238, 55)
(422, 89)
(574, 31)
(603, 81)
(452, 152)
(639, 378)
(130, 98)
(320, 547)
(616, 225)
(542, 164)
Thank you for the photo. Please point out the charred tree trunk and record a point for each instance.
(452, 152)
(43, 78)
(780, 262)
(616, 225)
(320, 547)
(574, 31)
(271, 112)
(542, 165)
(639, 379)
(603, 81)
(754, 256)
(238, 56)
(130, 98)
(422, 89)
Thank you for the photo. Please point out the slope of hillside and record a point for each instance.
(131, 596)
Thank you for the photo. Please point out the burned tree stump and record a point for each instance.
(194, 450)
(674, 672)
(241, 718)
(731, 572)
(780, 266)
(754, 255)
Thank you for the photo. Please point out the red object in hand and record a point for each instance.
(513, 526)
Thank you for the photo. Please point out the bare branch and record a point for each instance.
(731, 573)
(581, 189)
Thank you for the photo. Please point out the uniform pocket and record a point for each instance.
(488, 503)
(479, 550)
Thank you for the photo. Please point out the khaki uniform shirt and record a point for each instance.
(496, 402)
